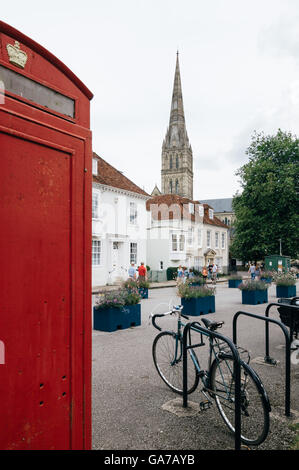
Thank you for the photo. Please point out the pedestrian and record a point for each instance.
(204, 274)
(257, 272)
(132, 272)
(180, 275)
(251, 271)
(191, 273)
(186, 274)
(142, 273)
(214, 273)
(210, 267)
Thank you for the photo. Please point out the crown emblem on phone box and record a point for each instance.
(16, 55)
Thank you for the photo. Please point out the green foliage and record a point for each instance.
(253, 285)
(285, 279)
(195, 279)
(186, 291)
(131, 284)
(171, 273)
(117, 298)
(143, 284)
(267, 209)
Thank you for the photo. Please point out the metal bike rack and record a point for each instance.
(277, 304)
(267, 358)
(237, 371)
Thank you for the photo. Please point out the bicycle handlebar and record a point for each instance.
(174, 310)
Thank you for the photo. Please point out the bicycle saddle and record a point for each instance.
(212, 325)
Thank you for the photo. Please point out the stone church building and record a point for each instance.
(181, 230)
(177, 158)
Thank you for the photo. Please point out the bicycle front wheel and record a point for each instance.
(254, 409)
(168, 360)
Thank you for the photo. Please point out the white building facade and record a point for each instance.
(119, 221)
(185, 232)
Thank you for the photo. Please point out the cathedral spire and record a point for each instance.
(177, 159)
(177, 115)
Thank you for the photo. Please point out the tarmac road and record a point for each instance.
(128, 394)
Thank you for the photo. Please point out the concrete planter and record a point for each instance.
(233, 283)
(254, 297)
(112, 319)
(199, 306)
(285, 291)
(143, 291)
(267, 279)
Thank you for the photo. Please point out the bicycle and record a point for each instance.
(218, 382)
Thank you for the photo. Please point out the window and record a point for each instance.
(170, 162)
(217, 240)
(223, 240)
(191, 208)
(211, 214)
(177, 162)
(182, 242)
(96, 252)
(176, 187)
(94, 166)
(197, 263)
(190, 236)
(170, 186)
(200, 211)
(174, 242)
(208, 238)
(133, 253)
(95, 205)
(199, 237)
(177, 242)
(133, 213)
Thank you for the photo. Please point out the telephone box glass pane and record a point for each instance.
(34, 91)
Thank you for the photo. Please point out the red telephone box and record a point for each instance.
(45, 243)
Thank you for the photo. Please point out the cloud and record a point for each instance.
(281, 38)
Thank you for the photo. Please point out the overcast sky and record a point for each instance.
(239, 64)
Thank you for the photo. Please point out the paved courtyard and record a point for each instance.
(130, 401)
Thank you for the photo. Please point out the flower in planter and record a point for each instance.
(130, 284)
(142, 284)
(253, 285)
(195, 280)
(285, 278)
(190, 292)
(267, 273)
(117, 298)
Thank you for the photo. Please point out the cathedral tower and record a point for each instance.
(177, 158)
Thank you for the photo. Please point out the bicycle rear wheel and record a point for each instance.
(254, 405)
(168, 360)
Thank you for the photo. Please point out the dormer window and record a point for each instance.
(191, 208)
(94, 166)
(211, 214)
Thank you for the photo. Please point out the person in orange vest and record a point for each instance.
(142, 272)
(204, 274)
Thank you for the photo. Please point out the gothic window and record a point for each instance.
(170, 162)
(177, 162)
(170, 186)
(176, 187)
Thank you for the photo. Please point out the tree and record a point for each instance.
(267, 209)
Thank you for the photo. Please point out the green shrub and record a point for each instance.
(171, 273)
